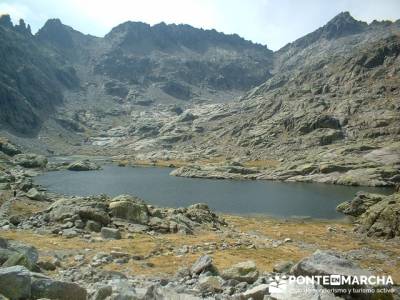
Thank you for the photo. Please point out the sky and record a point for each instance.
(270, 22)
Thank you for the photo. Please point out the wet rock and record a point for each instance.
(243, 272)
(110, 233)
(15, 282)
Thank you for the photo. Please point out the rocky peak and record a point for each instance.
(56, 33)
(341, 25)
(5, 20)
(169, 37)
(21, 27)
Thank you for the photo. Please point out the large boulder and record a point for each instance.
(326, 263)
(359, 204)
(382, 219)
(201, 213)
(258, 292)
(34, 194)
(201, 264)
(5, 254)
(211, 284)
(30, 160)
(18, 259)
(110, 233)
(96, 214)
(83, 165)
(129, 208)
(45, 287)
(90, 208)
(15, 282)
(243, 272)
(29, 251)
(375, 215)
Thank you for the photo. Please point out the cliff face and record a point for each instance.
(32, 79)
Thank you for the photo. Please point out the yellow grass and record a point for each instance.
(307, 236)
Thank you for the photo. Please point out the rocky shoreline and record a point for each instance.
(59, 247)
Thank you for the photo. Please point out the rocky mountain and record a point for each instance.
(139, 64)
(135, 65)
(323, 108)
(329, 113)
(32, 78)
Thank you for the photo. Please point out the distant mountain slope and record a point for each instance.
(135, 64)
(141, 64)
(331, 104)
(338, 84)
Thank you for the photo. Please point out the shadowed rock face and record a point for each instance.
(375, 215)
(31, 79)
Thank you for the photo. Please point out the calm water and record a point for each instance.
(239, 197)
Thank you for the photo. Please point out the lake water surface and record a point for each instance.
(155, 186)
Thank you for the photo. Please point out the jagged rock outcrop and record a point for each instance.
(75, 216)
(83, 165)
(375, 215)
